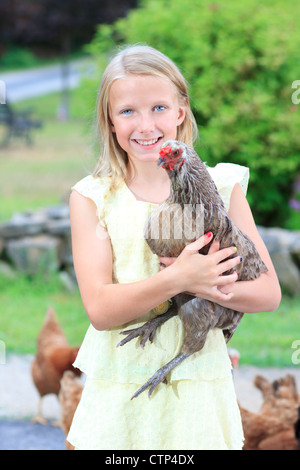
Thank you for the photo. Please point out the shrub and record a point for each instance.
(240, 60)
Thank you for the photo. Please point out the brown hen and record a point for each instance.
(69, 397)
(280, 397)
(193, 208)
(53, 357)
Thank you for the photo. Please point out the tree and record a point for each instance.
(54, 26)
(240, 60)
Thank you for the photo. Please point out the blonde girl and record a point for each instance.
(142, 102)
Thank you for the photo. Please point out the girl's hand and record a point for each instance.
(202, 275)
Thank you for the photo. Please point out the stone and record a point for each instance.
(277, 239)
(68, 281)
(21, 225)
(39, 241)
(57, 212)
(58, 227)
(287, 272)
(284, 249)
(66, 256)
(34, 255)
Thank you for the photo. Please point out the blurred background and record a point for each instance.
(241, 61)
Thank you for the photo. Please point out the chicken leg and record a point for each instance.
(160, 375)
(147, 331)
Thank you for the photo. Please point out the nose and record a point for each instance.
(146, 123)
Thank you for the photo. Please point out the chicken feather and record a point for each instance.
(193, 208)
(53, 356)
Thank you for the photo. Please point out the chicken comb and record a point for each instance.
(165, 150)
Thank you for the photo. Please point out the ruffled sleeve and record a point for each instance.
(226, 175)
(96, 189)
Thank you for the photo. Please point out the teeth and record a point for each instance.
(147, 142)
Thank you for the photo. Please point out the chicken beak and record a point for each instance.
(160, 162)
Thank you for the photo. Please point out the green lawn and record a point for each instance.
(41, 175)
(24, 303)
(35, 177)
(263, 339)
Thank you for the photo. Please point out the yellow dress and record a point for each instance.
(197, 409)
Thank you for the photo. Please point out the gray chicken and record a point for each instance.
(193, 208)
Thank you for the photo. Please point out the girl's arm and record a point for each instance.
(108, 305)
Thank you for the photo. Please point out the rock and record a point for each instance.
(41, 241)
(66, 256)
(57, 212)
(287, 272)
(284, 248)
(61, 227)
(7, 271)
(68, 281)
(22, 225)
(34, 255)
(277, 239)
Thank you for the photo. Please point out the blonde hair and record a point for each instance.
(135, 60)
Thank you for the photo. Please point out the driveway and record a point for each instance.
(38, 81)
(19, 400)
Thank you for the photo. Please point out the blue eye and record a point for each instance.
(126, 111)
(159, 108)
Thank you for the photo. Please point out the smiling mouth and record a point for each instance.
(149, 142)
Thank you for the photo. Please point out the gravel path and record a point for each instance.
(19, 400)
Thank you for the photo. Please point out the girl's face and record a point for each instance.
(144, 112)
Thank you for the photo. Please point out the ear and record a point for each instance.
(181, 115)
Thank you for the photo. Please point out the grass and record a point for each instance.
(265, 339)
(24, 303)
(36, 176)
(41, 175)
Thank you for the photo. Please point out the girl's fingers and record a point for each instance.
(218, 296)
(225, 253)
(214, 247)
(200, 242)
(228, 279)
(229, 264)
(223, 297)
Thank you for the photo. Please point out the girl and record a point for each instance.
(143, 102)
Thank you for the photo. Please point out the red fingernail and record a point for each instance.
(209, 234)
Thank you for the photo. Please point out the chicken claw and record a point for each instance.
(160, 375)
(147, 331)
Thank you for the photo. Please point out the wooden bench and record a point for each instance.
(17, 124)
